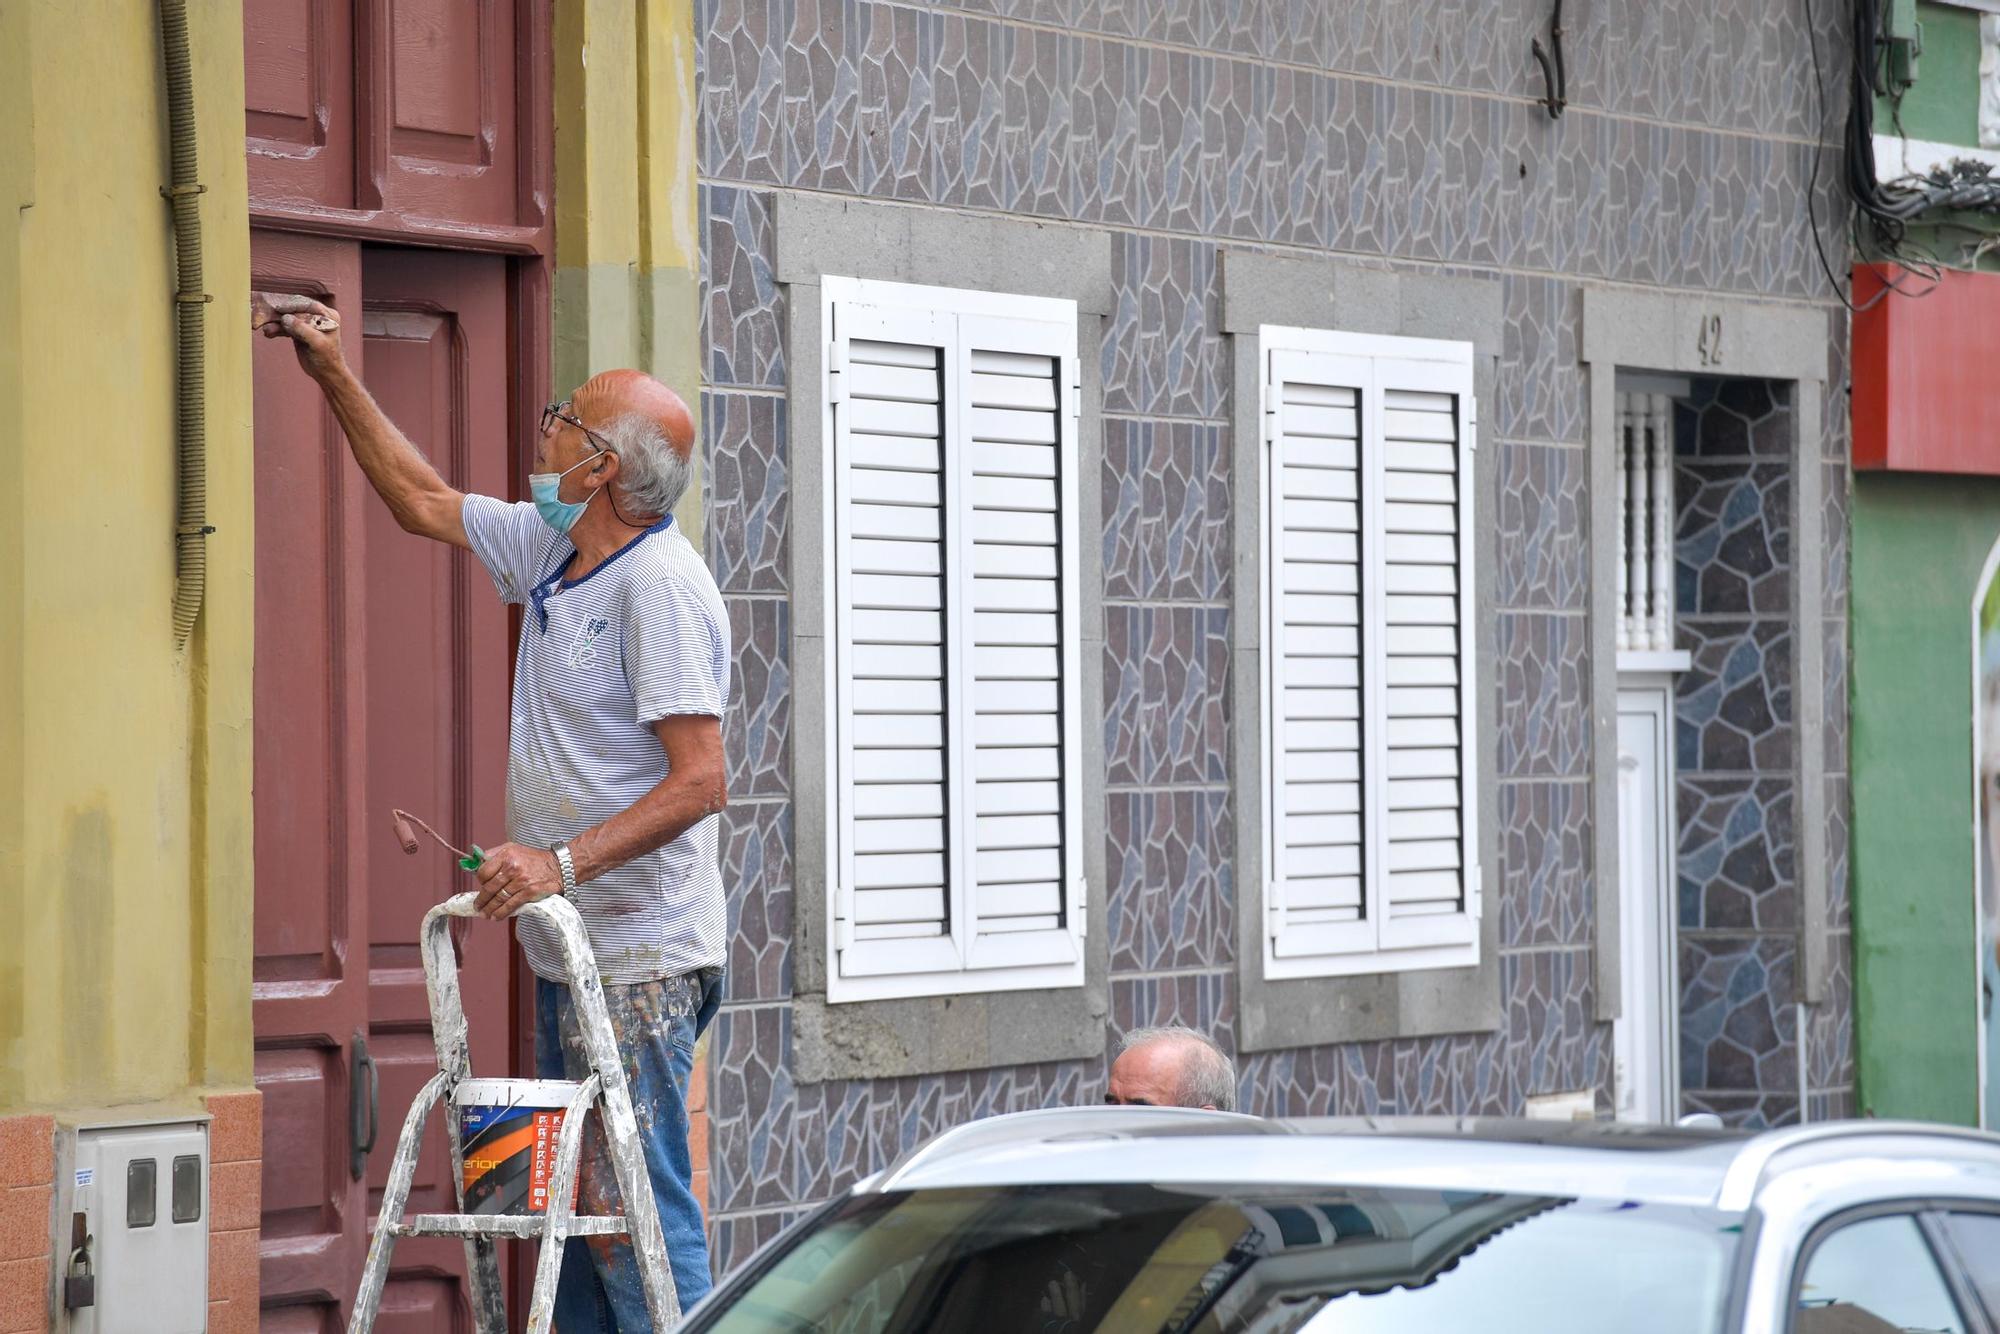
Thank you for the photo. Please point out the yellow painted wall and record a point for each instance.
(125, 849)
(627, 281)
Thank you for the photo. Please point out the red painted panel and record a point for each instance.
(1923, 396)
(438, 109)
(435, 327)
(312, 856)
(298, 85)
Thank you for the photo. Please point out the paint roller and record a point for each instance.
(406, 826)
(406, 835)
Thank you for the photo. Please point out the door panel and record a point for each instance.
(298, 92)
(435, 329)
(404, 107)
(1642, 1039)
(443, 121)
(311, 856)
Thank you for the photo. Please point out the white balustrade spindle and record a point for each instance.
(1645, 523)
(1624, 522)
(1662, 628)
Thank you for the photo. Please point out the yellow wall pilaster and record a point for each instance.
(125, 819)
(627, 282)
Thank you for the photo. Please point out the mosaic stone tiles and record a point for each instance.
(749, 504)
(1543, 721)
(1172, 896)
(1736, 867)
(940, 105)
(1738, 848)
(1166, 690)
(1547, 892)
(741, 303)
(1166, 510)
(1542, 508)
(1162, 354)
(1739, 1031)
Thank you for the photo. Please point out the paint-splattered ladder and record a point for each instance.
(604, 1089)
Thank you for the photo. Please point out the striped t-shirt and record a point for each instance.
(641, 637)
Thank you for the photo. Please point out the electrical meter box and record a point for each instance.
(143, 1191)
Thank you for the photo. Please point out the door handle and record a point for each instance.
(364, 1106)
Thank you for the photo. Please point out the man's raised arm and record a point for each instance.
(422, 501)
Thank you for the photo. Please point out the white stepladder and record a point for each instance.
(604, 1088)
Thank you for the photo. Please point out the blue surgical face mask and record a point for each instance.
(556, 512)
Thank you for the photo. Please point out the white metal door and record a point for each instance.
(1647, 1080)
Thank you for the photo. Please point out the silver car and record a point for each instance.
(1175, 1222)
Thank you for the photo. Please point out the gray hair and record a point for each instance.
(1207, 1075)
(652, 474)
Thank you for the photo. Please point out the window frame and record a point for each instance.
(1449, 365)
(1945, 1241)
(1055, 959)
(1921, 1211)
(811, 236)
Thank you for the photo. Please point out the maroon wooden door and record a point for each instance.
(382, 659)
(313, 846)
(381, 681)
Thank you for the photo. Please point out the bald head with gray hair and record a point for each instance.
(650, 430)
(1171, 1067)
(652, 473)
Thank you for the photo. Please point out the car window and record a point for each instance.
(1976, 1237)
(1142, 1259)
(1875, 1275)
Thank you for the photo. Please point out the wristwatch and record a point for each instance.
(568, 867)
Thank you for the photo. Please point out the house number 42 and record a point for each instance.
(1708, 340)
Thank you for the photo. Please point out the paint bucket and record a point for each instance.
(507, 1140)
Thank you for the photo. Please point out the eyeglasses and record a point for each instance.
(559, 412)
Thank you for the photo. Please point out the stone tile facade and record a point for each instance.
(1404, 134)
(1736, 724)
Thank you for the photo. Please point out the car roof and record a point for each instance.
(1682, 1165)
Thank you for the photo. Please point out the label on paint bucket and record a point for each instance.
(507, 1134)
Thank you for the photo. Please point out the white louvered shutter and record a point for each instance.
(1016, 576)
(954, 726)
(1429, 877)
(1315, 891)
(890, 721)
(1368, 661)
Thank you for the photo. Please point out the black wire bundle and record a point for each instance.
(1961, 186)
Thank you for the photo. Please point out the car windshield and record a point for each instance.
(1224, 1260)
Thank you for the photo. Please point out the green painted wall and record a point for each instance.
(1920, 544)
(1943, 105)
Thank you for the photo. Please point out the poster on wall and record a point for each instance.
(1987, 712)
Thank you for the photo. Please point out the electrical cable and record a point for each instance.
(1891, 206)
(1812, 184)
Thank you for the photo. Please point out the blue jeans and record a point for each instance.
(656, 1024)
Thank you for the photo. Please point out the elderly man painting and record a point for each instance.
(615, 770)
(1171, 1067)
